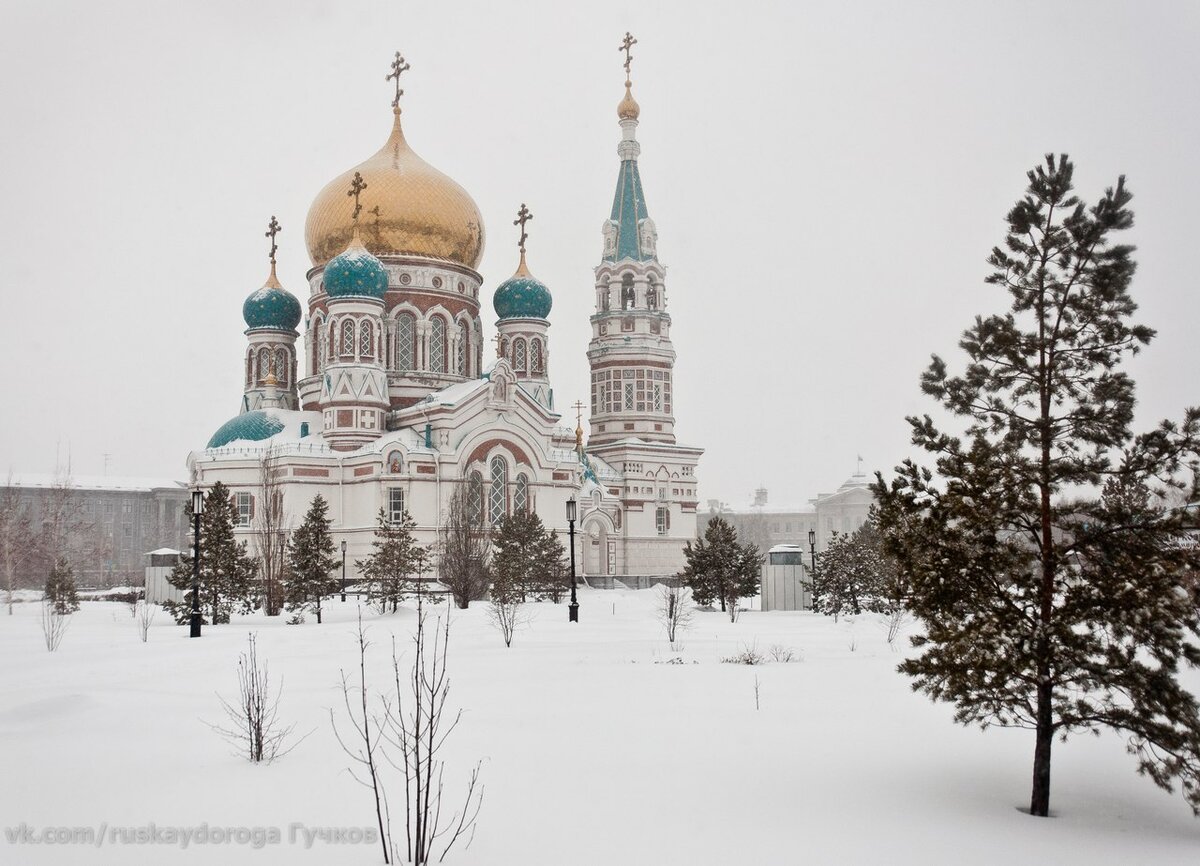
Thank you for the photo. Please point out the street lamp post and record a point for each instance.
(197, 510)
(572, 511)
(812, 549)
(343, 569)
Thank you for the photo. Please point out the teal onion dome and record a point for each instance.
(522, 296)
(356, 273)
(249, 426)
(272, 306)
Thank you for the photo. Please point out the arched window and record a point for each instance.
(366, 341)
(437, 345)
(264, 363)
(478, 348)
(464, 346)
(249, 367)
(347, 337)
(537, 362)
(519, 354)
(652, 297)
(521, 495)
(627, 294)
(475, 499)
(282, 367)
(504, 348)
(406, 341)
(318, 361)
(497, 498)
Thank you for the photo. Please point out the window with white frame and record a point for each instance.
(464, 344)
(347, 336)
(437, 345)
(536, 361)
(628, 395)
(395, 505)
(366, 340)
(519, 354)
(662, 520)
(243, 509)
(497, 497)
(521, 495)
(475, 499)
(406, 339)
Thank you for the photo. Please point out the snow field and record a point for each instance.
(595, 750)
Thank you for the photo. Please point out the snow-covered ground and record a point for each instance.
(595, 751)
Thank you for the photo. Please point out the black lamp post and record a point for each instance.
(812, 549)
(197, 510)
(343, 569)
(572, 511)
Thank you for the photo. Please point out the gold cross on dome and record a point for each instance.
(399, 65)
(524, 215)
(496, 340)
(626, 44)
(356, 187)
(273, 228)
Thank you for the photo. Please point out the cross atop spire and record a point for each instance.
(399, 66)
(626, 44)
(273, 228)
(357, 185)
(524, 215)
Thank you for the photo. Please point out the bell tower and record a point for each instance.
(631, 357)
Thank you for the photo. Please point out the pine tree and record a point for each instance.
(528, 557)
(856, 574)
(227, 572)
(311, 561)
(1046, 606)
(719, 568)
(60, 588)
(396, 557)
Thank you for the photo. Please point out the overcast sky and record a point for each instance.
(827, 180)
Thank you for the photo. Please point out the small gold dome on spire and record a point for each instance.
(628, 109)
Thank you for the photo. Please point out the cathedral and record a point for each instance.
(388, 401)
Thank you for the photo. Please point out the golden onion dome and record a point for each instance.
(628, 109)
(409, 209)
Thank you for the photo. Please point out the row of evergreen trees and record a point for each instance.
(519, 558)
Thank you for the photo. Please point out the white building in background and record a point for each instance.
(767, 525)
(387, 402)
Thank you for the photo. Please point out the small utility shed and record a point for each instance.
(159, 566)
(785, 582)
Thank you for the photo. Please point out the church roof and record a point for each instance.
(629, 208)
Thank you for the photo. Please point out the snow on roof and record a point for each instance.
(452, 394)
(164, 551)
(786, 548)
(92, 482)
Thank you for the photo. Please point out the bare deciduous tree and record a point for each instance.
(418, 728)
(54, 623)
(144, 618)
(464, 549)
(254, 719)
(674, 609)
(271, 531)
(366, 740)
(18, 543)
(506, 613)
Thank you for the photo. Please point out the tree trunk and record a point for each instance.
(1039, 802)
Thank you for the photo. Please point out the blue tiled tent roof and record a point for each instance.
(629, 207)
(250, 426)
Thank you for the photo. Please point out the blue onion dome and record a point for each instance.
(249, 427)
(522, 296)
(272, 306)
(356, 273)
